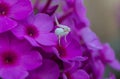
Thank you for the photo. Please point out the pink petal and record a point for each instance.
(19, 31)
(6, 24)
(32, 41)
(108, 56)
(98, 69)
(47, 39)
(73, 51)
(53, 72)
(90, 38)
(32, 60)
(115, 64)
(108, 53)
(21, 9)
(13, 73)
(81, 12)
(11, 2)
(23, 46)
(4, 41)
(80, 74)
(43, 22)
(48, 70)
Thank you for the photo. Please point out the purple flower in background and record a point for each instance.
(108, 57)
(74, 10)
(78, 74)
(12, 10)
(95, 69)
(75, 72)
(90, 39)
(37, 30)
(17, 57)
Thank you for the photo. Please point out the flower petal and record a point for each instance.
(21, 9)
(108, 57)
(32, 41)
(49, 70)
(90, 38)
(47, 39)
(11, 2)
(13, 73)
(30, 58)
(6, 24)
(19, 31)
(43, 22)
(80, 74)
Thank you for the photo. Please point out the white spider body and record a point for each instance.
(59, 32)
(62, 30)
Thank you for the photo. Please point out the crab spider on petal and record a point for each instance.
(62, 30)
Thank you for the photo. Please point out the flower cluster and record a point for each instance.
(50, 39)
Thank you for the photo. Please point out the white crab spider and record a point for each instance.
(62, 30)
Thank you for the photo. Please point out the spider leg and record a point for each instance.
(57, 21)
(59, 37)
(65, 38)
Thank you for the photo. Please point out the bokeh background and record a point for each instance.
(105, 22)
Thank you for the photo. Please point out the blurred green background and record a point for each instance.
(105, 22)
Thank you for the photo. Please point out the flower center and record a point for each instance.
(32, 31)
(4, 9)
(9, 58)
(68, 75)
(62, 51)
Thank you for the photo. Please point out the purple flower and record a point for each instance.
(11, 10)
(78, 74)
(74, 72)
(74, 14)
(98, 69)
(108, 57)
(17, 57)
(69, 50)
(90, 39)
(37, 30)
(48, 70)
